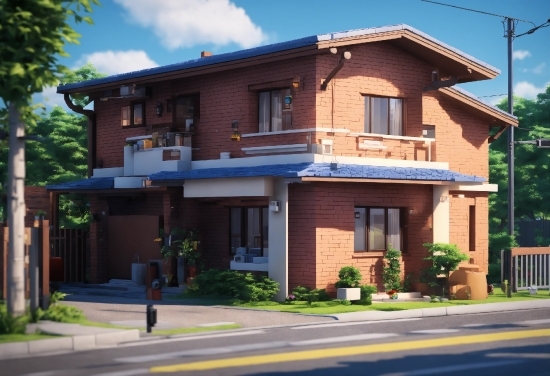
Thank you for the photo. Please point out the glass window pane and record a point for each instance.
(253, 235)
(185, 110)
(394, 229)
(377, 229)
(359, 234)
(236, 230)
(264, 112)
(396, 117)
(265, 230)
(379, 115)
(367, 115)
(276, 110)
(125, 116)
(138, 113)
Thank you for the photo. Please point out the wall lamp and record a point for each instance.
(159, 109)
(346, 55)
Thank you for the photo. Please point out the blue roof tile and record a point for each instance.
(318, 170)
(84, 184)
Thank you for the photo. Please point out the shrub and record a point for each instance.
(349, 277)
(10, 324)
(310, 295)
(392, 269)
(445, 258)
(366, 294)
(232, 284)
(301, 292)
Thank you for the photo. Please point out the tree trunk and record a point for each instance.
(16, 213)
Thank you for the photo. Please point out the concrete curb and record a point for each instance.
(72, 343)
(442, 311)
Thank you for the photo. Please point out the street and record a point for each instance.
(507, 343)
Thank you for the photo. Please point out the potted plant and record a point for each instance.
(188, 249)
(445, 258)
(348, 286)
(392, 272)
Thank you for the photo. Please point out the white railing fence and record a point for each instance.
(531, 267)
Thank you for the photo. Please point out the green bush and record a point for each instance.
(349, 276)
(232, 284)
(494, 274)
(310, 295)
(366, 294)
(10, 324)
(445, 258)
(392, 270)
(301, 292)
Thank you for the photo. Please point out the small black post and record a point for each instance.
(151, 316)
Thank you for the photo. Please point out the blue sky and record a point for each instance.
(129, 35)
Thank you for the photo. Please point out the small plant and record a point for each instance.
(349, 276)
(300, 292)
(490, 289)
(289, 299)
(366, 294)
(10, 324)
(310, 295)
(392, 269)
(407, 283)
(344, 302)
(445, 258)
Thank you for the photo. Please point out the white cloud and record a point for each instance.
(520, 54)
(187, 23)
(49, 98)
(115, 62)
(539, 68)
(527, 90)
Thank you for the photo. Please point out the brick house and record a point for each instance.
(315, 153)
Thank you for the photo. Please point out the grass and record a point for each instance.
(171, 332)
(332, 307)
(6, 338)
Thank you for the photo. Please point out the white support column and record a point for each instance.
(278, 238)
(441, 216)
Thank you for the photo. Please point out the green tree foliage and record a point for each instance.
(445, 258)
(392, 269)
(532, 174)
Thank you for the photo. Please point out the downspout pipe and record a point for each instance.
(90, 114)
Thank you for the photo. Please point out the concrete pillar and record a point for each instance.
(441, 216)
(278, 239)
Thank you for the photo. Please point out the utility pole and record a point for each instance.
(510, 153)
(16, 212)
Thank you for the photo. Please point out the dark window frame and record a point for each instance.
(283, 111)
(403, 115)
(402, 227)
(244, 227)
(132, 117)
(195, 98)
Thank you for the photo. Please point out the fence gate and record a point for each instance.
(71, 246)
(531, 267)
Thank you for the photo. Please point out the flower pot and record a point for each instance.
(138, 273)
(192, 271)
(350, 293)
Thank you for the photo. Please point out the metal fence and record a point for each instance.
(531, 267)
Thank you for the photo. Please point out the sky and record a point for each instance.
(130, 35)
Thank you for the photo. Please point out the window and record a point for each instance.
(384, 115)
(249, 228)
(275, 110)
(133, 115)
(376, 228)
(186, 111)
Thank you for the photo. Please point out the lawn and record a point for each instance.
(332, 307)
(6, 338)
(171, 332)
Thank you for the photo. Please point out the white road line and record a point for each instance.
(461, 367)
(435, 331)
(358, 337)
(475, 325)
(44, 373)
(190, 338)
(520, 355)
(251, 347)
(130, 372)
(533, 322)
(338, 324)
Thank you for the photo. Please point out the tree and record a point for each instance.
(532, 183)
(445, 258)
(33, 33)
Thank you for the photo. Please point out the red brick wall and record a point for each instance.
(36, 199)
(321, 230)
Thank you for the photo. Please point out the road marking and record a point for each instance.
(475, 325)
(520, 355)
(435, 331)
(44, 373)
(358, 337)
(130, 372)
(534, 322)
(186, 337)
(461, 367)
(217, 324)
(339, 352)
(350, 323)
(250, 347)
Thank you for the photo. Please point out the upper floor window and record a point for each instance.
(275, 110)
(376, 228)
(133, 115)
(384, 115)
(186, 111)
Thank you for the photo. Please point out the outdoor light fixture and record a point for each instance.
(296, 82)
(159, 109)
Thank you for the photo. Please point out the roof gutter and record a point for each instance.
(90, 114)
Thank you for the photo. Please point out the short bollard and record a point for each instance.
(151, 317)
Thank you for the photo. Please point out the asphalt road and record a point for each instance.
(508, 343)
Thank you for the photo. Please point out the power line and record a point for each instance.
(546, 24)
(478, 11)
(494, 95)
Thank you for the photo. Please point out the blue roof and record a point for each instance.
(262, 50)
(299, 170)
(84, 184)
